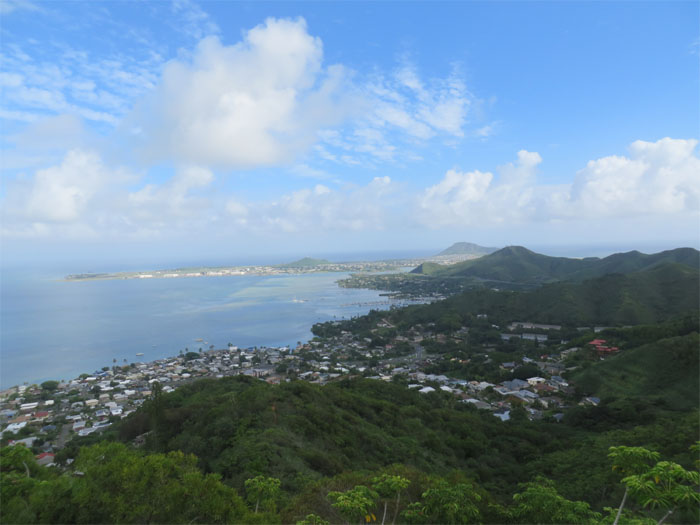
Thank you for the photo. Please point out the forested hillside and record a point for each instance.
(648, 296)
(515, 264)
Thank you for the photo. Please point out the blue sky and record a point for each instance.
(229, 128)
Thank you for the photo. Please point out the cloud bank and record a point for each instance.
(81, 196)
(657, 178)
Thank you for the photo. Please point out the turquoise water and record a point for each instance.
(52, 329)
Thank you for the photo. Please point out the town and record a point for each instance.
(45, 417)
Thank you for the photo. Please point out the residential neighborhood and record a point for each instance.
(45, 417)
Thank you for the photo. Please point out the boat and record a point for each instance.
(140, 353)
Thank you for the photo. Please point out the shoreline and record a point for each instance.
(387, 265)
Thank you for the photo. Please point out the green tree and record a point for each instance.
(388, 486)
(262, 490)
(49, 386)
(630, 461)
(155, 410)
(313, 519)
(539, 502)
(120, 485)
(355, 504)
(445, 503)
(666, 485)
(19, 477)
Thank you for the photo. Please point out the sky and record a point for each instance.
(164, 130)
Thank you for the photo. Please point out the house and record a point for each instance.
(524, 395)
(14, 427)
(535, 337)
(515, 384)
(558, 380)
(45, 459)
(533, 326)
(543, 387)
(41, 416)
(552, 368)
(503, 416)
(426, 390)
(27, 442)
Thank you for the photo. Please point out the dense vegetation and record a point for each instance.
(519, 265)
(322, 439)
(663, 292)
(333, 439)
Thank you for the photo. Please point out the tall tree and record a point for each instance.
(388, 486)
(355, 504)
(629, 461)
(446, 503)
(539, 502)
(262, 490)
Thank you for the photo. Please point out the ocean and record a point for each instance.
(55, 329)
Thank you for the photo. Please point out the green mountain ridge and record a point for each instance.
(516, 264)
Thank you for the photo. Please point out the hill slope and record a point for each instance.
(647, 296)
(666, 370)
(241, 427)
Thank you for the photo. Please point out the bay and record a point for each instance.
(54, 329)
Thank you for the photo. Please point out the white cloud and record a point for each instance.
(173, 194)
(8, 6)
(658, 179)
(479, 197)
(62, 193)
(401, 111)
(193, 20)
(269, 98)
(61, 132)
(98, 89)
(80, 197)
(259, 102)
(319, 209)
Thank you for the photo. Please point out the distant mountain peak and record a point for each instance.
(467, 248)
(306, 262)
